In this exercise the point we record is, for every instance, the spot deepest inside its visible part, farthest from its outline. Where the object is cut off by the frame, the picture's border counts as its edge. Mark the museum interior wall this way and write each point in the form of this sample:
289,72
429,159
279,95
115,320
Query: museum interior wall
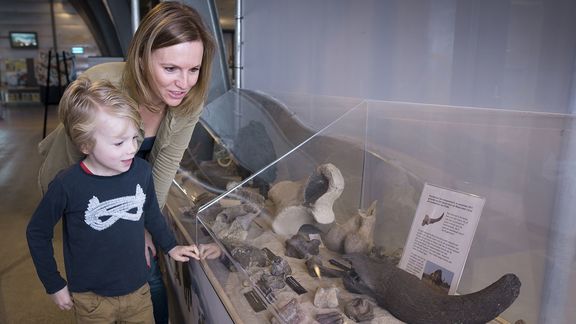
498,54
23,69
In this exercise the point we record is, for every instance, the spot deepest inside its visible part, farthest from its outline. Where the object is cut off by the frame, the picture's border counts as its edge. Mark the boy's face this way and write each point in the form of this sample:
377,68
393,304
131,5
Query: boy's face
115,145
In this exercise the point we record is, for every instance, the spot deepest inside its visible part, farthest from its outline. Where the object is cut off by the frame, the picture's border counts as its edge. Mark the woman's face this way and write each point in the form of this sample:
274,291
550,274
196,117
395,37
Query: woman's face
175,70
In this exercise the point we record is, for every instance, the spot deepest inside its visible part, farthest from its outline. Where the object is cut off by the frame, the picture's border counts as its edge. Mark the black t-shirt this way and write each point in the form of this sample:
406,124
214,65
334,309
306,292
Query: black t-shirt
146,147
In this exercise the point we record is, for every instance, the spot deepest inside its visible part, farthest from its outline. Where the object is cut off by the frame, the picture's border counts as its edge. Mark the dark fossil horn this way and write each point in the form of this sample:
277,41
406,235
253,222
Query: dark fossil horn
413,301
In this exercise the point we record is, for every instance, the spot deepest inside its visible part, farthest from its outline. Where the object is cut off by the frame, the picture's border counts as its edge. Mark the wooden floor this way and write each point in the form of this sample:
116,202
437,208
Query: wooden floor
22,296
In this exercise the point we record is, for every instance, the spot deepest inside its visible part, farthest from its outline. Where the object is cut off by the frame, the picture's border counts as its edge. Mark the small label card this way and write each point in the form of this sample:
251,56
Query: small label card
441,236
255,301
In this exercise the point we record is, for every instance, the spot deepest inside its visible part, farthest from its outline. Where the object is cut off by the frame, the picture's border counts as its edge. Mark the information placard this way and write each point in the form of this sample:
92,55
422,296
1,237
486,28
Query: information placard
441,236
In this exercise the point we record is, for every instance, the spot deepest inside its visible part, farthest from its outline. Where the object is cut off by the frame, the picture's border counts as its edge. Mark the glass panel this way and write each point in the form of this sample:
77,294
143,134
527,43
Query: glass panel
379,155
518,161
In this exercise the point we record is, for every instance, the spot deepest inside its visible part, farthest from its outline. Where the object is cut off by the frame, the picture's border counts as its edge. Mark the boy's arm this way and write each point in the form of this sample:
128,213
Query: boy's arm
63,299
39,234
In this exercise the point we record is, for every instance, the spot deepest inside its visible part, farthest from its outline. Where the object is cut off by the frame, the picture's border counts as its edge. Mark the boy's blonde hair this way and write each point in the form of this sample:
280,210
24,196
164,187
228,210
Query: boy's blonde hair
83,99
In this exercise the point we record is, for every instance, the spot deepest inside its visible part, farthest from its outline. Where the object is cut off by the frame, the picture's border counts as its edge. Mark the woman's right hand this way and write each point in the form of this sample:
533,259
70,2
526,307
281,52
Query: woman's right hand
62,298
149,248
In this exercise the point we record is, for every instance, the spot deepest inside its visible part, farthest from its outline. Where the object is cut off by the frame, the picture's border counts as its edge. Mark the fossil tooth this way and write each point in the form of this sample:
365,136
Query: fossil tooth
413,301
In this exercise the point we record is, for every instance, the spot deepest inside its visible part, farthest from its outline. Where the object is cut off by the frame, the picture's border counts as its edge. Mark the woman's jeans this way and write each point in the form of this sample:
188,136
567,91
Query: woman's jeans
158,292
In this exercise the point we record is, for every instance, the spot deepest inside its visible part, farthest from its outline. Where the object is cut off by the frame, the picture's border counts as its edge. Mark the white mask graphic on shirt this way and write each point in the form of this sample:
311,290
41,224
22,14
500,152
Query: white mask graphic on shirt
114,209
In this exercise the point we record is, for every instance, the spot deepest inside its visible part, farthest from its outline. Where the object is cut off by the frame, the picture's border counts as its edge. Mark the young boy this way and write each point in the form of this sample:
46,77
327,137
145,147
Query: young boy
105,202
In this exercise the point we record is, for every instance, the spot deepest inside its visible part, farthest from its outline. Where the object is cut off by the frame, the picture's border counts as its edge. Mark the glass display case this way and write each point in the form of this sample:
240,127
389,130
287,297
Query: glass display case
311,199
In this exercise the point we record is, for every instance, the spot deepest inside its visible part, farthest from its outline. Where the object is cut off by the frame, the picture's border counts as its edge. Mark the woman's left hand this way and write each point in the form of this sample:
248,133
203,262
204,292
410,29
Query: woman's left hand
209,251
150,249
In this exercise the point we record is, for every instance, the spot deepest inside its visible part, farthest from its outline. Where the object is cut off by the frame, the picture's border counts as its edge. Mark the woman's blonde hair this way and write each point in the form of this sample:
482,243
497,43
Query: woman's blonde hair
83,99
168,23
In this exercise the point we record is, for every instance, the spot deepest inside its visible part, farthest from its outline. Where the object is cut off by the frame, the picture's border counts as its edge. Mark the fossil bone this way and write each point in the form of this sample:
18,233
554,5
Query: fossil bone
290,219
356,235
413,301
300,247
321,197
233,222
306,201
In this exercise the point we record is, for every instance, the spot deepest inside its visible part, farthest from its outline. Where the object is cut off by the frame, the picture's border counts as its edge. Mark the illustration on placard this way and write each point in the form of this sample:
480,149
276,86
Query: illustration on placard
437,276
429,220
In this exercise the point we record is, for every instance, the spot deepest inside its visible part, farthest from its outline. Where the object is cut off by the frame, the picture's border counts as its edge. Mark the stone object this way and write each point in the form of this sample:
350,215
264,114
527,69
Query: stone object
280,267
359,309
301,247
411,300
315,268
233,222
286,193
326,297
290,313
356,235
248,256
316,186
330,318
271,281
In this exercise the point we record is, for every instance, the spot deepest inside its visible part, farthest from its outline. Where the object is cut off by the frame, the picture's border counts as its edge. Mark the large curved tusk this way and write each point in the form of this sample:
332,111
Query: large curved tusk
413,301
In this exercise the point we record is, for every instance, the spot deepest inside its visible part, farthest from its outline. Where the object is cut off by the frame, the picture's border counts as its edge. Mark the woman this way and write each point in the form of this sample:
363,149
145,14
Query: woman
167,73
